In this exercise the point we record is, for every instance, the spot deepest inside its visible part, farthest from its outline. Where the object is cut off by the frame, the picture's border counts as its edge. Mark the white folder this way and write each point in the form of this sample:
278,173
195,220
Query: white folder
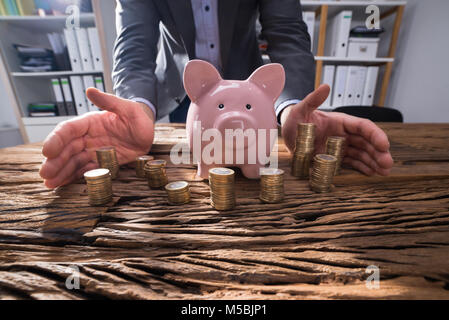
339,86
88,82
72,48
57,90
339,29
351,86
370,86
328,78
79,95
83,44
99,84
68,97
95,48
309,19
360,85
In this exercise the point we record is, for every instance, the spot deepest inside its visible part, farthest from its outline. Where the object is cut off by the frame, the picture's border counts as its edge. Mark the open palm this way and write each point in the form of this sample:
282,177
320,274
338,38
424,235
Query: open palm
70,148
367,148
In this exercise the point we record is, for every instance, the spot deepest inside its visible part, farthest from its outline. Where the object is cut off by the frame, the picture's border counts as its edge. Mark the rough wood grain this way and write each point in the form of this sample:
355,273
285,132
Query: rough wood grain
308,247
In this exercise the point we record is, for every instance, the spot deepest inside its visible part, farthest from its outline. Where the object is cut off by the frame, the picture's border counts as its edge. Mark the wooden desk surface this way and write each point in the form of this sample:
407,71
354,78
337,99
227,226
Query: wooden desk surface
310,246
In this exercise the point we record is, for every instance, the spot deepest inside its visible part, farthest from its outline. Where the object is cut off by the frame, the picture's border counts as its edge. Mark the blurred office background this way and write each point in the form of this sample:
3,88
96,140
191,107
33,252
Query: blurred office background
418,86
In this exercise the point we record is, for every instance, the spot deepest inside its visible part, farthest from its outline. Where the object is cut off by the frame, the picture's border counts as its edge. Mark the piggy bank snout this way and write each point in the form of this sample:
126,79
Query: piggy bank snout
234,121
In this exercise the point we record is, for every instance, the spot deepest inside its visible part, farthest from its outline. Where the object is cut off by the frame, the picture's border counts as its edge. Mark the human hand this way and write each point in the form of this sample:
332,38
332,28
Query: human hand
70,148
367,146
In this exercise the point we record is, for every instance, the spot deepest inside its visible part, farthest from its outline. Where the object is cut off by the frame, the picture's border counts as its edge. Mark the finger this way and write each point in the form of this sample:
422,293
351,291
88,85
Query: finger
63,134
368,130
359,165
108,102
51,167
363,156
312,101
316,98
80,173
69,172
383,159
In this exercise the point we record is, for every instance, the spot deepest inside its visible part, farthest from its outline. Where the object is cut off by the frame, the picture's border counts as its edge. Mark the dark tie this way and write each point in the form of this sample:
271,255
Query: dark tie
179,115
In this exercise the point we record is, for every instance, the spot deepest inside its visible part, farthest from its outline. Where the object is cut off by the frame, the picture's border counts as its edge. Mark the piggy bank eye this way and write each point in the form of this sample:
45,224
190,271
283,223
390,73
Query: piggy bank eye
221,106
248,106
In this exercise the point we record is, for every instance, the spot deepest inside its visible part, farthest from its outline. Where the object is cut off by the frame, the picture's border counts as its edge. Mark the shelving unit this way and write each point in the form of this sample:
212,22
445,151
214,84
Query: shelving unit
325,10
53,74
28,87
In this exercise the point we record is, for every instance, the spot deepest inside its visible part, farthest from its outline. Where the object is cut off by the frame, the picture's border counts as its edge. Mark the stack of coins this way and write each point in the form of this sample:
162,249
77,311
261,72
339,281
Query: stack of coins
305,140
323,173
107,158
99,186
141,161
335,147
155,173
271,185
222,189
178,192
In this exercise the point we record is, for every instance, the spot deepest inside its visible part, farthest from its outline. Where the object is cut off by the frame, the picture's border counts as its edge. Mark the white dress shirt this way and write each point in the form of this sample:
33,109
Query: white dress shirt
207,42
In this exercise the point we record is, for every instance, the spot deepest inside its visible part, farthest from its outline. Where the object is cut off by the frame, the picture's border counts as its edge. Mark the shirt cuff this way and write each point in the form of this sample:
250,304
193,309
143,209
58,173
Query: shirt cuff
148,103
284,105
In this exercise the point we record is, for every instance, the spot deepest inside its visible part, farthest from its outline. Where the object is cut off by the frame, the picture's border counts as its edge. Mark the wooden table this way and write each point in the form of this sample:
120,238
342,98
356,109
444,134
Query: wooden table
310,246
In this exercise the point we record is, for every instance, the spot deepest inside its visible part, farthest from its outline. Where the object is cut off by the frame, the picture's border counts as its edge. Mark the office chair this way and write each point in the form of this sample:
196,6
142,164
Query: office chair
375,114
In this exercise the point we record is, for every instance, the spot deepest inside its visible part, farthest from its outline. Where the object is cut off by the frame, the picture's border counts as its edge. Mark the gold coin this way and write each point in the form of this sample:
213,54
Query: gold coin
304,148
140,165
99,186
322,173
222,189
107,158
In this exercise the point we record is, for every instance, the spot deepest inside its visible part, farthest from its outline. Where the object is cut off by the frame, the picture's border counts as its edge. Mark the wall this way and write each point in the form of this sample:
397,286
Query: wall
419,85
9,132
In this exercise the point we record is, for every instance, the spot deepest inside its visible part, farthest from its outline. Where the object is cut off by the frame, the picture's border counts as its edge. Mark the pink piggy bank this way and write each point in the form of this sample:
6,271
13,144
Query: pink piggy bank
232,123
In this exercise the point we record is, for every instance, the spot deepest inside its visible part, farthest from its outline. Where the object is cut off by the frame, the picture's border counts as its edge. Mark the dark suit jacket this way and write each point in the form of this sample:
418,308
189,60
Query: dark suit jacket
147,68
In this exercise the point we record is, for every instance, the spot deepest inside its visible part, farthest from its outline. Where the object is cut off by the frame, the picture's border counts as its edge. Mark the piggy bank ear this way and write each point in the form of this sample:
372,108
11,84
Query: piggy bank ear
199,77
270,78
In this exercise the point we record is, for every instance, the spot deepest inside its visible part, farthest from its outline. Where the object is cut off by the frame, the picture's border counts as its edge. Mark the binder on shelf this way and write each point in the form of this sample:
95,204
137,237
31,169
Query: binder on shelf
360,85
328,78
89,83
72,47
339,29
2,9
309,19
99,84
339,86
26,7
11,7
79,95
68,97
355,83
351,86
370,86
59,50
83,45
94,44
57,91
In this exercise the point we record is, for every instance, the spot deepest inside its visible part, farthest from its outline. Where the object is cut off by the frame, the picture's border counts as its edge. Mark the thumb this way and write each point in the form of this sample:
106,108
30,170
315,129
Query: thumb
108,102
313,100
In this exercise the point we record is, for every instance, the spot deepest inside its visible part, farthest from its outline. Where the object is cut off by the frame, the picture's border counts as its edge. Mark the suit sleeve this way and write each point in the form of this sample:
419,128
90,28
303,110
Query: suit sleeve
135,50
289,45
